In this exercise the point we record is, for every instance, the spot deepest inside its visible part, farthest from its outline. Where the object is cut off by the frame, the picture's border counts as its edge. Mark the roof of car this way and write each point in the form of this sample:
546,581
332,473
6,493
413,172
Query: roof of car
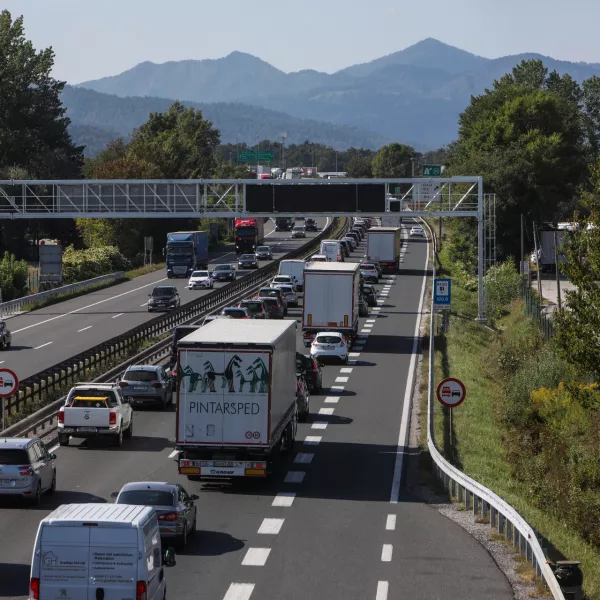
95,386
336,333
144,368
149,485
16,443
165,287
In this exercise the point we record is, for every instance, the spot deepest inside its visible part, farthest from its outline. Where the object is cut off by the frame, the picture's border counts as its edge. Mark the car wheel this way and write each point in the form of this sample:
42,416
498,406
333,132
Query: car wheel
63,440
184,536
129,431
119,438
53,484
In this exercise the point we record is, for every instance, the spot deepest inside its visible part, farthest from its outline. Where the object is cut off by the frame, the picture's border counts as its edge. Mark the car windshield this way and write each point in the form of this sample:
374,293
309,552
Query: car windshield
161,292
328,339
247,257
179,251
234,312
147,498
13,456
139,375
286,289
298,228
92,395
246,231
282,278
200,274
263,249
223,268
274,293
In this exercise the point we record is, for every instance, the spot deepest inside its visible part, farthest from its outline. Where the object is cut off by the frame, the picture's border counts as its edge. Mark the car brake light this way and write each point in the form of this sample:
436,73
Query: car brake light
156,384
25,470
141,590
61,416
34,588
112,418
314,342
123,384
342,343
172,516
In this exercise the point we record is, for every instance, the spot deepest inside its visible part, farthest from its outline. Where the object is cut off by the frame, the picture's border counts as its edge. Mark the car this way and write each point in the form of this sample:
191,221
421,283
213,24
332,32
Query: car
354,236
288,293
147,384
350,241
5,336
298,231
456,393
359,232
377,266
329,345
345,247
223,273
164,297
27,467
319,258
313,375
236,312
446,391
310,224
363,308
417,231
210,318
369,273
284,280
256,308
298,218
274,307
264,253
200,280
269,292
175,509
302,398
369,294
247,261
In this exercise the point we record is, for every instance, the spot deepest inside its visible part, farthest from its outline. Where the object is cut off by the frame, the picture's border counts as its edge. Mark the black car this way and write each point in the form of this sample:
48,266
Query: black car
302,398
369,294
311,369
223,273
345,247
274,308
247,261
354,235
164,297
310,224
363,309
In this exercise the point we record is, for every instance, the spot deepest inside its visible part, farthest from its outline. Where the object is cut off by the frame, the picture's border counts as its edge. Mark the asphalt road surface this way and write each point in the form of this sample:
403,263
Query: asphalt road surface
334,523
45,337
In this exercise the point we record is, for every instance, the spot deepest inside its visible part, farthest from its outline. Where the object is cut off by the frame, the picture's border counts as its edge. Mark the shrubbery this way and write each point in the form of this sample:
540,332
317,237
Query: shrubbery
13,277
79,265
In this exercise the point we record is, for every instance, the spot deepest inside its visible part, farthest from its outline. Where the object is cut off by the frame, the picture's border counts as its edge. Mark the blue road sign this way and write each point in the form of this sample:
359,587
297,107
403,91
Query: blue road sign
442,293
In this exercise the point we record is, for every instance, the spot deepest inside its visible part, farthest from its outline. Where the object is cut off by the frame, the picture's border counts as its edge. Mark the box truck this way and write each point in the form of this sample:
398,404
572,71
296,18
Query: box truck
236,408
108,551
383,246
331,294
186,251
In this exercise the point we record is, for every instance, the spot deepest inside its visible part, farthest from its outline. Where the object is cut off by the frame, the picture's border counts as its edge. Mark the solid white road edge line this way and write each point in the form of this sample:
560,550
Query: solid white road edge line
403,435
382,591
241,591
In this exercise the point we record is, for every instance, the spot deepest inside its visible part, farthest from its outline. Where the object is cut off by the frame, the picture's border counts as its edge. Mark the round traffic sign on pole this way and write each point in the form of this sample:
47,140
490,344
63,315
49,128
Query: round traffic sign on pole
451,392
9,383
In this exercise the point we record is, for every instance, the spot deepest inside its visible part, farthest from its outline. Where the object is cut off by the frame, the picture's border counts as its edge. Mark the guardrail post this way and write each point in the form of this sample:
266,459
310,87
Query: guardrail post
467,499
484,509
516,538
501,523
493,517
475,504
460,492
509,530
453,487
522,545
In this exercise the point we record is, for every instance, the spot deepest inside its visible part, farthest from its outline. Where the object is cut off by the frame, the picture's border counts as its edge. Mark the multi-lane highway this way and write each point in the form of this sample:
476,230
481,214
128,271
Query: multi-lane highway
44,337
335,523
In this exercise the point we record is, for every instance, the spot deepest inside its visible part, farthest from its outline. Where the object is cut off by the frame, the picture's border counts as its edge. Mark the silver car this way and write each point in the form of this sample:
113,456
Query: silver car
27,469
288,293
175,508
5,336
147,384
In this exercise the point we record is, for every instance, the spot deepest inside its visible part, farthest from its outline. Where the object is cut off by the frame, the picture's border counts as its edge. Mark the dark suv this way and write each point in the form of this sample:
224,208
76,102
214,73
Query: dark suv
164,297
311,370
310,224
223,273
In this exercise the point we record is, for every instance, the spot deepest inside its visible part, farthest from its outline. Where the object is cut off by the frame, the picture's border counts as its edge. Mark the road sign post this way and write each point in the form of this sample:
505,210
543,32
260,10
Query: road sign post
9,384
442,293
432,170
451,392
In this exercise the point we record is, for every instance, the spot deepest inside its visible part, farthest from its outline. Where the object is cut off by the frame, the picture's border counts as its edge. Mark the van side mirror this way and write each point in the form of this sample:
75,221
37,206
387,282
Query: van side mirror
195,497
169,557
114,494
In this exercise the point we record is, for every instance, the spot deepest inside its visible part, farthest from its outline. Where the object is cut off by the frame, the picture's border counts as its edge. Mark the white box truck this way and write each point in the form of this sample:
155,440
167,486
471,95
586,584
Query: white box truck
383,246
236,408
331,294
109,551
295,269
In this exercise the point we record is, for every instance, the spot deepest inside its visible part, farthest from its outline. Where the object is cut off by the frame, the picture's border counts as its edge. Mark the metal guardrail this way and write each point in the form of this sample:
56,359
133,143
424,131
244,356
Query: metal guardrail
503,517
68,372
13,306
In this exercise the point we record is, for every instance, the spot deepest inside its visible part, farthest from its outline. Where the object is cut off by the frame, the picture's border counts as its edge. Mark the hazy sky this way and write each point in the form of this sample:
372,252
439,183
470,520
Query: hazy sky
105,37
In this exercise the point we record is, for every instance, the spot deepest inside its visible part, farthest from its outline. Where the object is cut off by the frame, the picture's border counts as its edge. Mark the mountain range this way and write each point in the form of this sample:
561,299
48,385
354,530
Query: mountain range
413,96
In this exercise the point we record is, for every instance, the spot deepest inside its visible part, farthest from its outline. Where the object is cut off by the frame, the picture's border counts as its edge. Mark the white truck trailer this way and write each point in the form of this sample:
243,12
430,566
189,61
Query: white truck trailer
236,408
331,294
383,246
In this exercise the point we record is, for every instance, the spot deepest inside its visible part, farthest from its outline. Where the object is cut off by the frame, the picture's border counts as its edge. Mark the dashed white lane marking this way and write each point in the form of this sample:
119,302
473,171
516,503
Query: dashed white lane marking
319,425
386,552
84,329
173,454
355,354
284,499
2,362
271,526
366,331
44,345
312,440
332,399
371,320
346,370
256,557
241,591
376,308
119,315
303,458
390,523
336,389
326,411
341,379
382,590
294,477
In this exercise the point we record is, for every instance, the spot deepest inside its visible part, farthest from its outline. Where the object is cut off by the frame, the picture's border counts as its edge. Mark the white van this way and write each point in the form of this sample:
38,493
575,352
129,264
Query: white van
89,551
295,269
332,249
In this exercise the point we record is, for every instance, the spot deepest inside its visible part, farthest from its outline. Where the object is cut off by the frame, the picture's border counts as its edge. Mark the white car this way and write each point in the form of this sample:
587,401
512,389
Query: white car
200,280
329,345
283,280
417,231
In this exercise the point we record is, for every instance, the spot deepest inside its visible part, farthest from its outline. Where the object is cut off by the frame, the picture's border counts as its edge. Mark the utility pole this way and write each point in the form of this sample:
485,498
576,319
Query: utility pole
557,271
283,138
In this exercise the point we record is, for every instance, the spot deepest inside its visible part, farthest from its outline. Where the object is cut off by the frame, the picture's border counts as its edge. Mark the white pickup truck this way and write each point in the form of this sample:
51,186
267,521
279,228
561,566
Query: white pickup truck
95,410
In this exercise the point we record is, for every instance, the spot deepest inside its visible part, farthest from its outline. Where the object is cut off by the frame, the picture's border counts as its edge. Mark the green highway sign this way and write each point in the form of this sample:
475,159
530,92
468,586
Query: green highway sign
246,156
432,170
396,191
266,156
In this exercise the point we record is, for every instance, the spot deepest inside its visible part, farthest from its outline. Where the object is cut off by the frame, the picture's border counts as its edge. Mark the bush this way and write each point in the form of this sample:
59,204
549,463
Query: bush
13,277
79,265
503,287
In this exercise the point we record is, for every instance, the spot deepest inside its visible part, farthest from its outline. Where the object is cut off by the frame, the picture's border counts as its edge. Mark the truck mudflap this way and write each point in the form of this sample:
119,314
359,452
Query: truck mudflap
222,468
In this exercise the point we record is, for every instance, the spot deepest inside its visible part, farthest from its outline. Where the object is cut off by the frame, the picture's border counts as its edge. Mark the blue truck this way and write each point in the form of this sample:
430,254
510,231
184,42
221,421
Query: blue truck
186,251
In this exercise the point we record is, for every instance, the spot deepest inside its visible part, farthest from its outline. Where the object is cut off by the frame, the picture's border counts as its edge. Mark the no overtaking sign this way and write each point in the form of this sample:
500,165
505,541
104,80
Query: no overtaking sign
9,383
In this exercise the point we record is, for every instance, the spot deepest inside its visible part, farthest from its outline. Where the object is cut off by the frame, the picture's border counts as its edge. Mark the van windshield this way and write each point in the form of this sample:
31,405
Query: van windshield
147,498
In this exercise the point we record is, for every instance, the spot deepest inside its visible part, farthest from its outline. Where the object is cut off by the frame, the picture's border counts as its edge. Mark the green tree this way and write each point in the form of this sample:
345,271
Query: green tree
13,277
359,167
394,161
591,103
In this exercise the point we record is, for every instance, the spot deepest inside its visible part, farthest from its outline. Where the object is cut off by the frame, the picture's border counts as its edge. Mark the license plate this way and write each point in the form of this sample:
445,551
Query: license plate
329,347
86,429
6,482
138,388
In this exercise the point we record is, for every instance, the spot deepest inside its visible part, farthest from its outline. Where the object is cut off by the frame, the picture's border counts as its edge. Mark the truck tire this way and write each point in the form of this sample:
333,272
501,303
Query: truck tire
63,440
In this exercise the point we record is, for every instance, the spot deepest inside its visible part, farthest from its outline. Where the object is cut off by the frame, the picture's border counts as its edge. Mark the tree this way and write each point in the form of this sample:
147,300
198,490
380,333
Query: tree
394,161
591,103
359,167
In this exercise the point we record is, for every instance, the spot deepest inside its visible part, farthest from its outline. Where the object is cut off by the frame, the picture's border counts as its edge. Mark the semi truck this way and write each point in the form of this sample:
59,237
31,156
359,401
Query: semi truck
383,246
186,251
331,295
283,223
236,408
249,234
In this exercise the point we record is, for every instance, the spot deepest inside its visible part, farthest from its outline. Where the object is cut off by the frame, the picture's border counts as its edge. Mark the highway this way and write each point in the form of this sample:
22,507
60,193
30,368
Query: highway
47,336
335,523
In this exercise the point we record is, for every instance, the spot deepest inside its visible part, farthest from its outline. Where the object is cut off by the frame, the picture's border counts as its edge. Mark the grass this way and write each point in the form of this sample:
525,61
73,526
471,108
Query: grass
144,270
468,353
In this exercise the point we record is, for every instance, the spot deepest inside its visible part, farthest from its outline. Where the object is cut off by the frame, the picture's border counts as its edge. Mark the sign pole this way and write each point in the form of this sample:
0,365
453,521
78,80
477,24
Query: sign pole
3,417
451,428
